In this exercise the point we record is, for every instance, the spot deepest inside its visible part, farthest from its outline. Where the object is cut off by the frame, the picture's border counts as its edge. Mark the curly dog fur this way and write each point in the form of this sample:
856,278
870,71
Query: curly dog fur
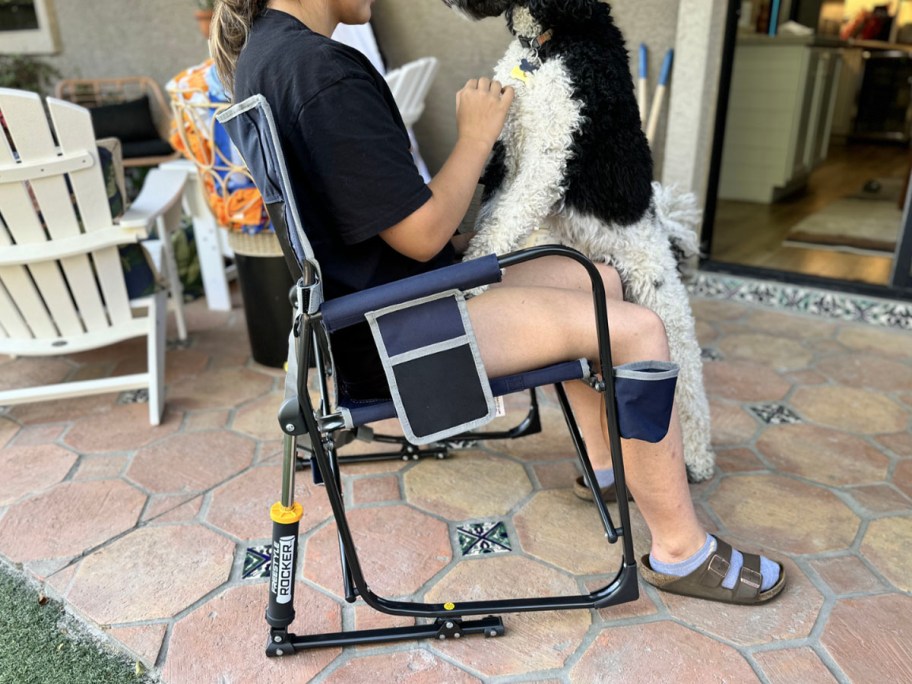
573,165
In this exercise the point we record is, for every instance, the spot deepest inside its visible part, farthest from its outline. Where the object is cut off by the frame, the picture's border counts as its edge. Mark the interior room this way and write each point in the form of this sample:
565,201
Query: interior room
815,159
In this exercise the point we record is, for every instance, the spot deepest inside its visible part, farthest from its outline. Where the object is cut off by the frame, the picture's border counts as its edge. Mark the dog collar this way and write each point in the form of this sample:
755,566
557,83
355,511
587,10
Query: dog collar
538,41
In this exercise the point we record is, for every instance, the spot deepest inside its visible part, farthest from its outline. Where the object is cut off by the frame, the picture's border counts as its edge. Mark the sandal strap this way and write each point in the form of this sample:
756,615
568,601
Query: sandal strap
717,565
750,579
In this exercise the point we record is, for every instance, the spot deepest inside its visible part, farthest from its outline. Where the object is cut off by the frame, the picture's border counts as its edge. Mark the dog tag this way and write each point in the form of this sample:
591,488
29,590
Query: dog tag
519,74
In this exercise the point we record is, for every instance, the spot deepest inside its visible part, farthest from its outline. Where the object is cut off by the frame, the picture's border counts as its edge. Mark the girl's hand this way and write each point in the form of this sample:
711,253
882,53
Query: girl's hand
481,110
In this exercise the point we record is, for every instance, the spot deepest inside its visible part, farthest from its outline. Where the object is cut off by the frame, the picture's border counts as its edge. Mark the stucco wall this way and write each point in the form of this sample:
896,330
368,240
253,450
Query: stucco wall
408,29
107,38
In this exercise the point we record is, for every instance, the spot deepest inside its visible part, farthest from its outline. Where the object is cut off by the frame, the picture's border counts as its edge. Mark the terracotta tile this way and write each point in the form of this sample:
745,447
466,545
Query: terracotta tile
134,347
731,424
152,573
557,475
366,617
864,370
738,460
172,508
60,581
899,443
259,418
241,506
706,333
790,325
562,529
902,477
846,575
191,462
223,388
871,339
466,486
850,409
205,420
34,434
824,455
552,443
421,668
827,347
779,353
229,631
144,642
717,310
671,648
886,544
533,641
399,548
791,665
123,428
871,638
742,381
200,317
64,410
641,607
26,470
805,377
30,371
100,467
375,489
881,499
781,513
69,519
791,616
8,429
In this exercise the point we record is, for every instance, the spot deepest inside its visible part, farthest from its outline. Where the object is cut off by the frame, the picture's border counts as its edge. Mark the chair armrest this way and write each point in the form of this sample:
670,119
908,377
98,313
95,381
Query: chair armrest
162,189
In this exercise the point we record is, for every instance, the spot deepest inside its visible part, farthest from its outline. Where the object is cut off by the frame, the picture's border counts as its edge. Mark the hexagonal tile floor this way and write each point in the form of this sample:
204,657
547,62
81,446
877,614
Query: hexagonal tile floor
160,537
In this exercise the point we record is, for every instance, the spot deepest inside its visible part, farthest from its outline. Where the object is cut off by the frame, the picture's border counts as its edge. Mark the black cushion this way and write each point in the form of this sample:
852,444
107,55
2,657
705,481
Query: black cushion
129,121
146,148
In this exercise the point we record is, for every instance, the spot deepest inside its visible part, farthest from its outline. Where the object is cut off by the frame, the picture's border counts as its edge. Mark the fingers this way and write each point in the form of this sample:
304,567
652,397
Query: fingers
507,95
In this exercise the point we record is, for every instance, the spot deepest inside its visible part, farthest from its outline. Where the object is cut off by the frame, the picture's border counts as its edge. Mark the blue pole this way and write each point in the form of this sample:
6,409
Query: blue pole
774,17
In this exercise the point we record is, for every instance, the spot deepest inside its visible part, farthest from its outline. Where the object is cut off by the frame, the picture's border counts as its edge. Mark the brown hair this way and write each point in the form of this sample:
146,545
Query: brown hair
231,22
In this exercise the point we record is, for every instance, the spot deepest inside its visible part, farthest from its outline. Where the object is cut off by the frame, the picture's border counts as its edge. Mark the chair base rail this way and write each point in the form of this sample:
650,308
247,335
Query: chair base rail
281,643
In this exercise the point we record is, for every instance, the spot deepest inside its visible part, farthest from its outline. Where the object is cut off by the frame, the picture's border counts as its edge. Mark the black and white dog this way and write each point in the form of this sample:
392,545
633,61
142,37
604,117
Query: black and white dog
573,166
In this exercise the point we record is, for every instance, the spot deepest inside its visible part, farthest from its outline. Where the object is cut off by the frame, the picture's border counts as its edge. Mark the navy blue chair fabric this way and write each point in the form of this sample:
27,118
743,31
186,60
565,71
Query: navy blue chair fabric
645,396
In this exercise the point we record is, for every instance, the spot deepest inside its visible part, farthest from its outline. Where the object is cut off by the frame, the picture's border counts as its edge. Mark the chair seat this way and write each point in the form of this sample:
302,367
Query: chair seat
360,413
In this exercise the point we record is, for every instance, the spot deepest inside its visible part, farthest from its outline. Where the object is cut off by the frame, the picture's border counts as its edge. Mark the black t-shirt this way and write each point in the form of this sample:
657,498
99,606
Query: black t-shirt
348,159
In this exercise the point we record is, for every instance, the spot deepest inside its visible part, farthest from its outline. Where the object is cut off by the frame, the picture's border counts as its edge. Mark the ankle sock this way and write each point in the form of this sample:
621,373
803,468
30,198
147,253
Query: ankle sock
769,569
605,478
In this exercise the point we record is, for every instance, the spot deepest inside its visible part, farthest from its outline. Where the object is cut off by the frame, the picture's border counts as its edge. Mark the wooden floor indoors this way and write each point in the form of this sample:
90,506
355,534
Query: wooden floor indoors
752,234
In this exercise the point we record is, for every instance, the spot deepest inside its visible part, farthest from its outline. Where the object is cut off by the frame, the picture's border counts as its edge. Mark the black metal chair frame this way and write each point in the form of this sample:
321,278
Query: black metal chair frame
325,429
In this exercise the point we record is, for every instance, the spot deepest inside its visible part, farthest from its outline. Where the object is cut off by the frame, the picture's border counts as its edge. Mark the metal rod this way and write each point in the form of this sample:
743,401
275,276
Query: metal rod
288,470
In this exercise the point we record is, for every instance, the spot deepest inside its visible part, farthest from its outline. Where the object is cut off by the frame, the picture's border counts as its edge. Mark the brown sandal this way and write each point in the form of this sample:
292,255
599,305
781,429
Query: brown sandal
706,581
609,494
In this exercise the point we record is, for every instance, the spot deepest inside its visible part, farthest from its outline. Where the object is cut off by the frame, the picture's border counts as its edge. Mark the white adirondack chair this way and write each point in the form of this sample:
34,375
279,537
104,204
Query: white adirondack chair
410,84
62,286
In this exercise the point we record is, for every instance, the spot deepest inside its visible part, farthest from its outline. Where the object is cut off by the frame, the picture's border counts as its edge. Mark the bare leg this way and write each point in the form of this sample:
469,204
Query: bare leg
520,327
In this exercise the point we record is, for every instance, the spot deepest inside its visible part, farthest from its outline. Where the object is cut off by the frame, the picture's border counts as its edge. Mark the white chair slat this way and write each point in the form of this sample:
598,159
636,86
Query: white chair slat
110,277
24,227
11,322
31,135
28,301
75,135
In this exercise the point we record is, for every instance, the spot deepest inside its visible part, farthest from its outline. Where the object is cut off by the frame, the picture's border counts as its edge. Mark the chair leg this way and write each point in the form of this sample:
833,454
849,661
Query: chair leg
158,310
175,287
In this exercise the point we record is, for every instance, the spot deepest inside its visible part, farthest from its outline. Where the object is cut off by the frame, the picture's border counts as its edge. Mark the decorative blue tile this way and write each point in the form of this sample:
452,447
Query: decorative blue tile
838,306
479,538
710,354
140,396
257,562
775,414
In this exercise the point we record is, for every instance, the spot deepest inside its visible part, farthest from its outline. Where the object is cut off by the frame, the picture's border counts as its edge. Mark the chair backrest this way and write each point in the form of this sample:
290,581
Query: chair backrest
410,84
252,129
61,279
94,92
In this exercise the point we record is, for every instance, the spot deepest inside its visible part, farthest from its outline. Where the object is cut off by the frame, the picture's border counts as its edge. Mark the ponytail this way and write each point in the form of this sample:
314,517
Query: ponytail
231,22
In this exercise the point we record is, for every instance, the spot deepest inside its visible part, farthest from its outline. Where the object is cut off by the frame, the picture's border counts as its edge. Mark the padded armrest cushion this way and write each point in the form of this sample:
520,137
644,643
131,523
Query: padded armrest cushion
129,121
343,312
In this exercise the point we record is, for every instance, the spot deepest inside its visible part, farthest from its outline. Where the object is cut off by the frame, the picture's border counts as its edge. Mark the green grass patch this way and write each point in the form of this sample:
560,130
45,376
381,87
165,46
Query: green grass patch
41,643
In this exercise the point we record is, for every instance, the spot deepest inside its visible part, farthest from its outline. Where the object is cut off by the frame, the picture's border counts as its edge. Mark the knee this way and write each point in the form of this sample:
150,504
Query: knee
651,335
614,289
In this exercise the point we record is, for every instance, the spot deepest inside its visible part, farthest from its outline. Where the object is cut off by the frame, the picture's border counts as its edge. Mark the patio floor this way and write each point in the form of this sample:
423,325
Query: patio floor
151,535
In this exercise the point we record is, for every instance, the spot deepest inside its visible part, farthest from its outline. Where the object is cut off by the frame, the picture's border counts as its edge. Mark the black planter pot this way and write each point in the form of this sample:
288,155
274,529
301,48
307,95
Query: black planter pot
265,282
